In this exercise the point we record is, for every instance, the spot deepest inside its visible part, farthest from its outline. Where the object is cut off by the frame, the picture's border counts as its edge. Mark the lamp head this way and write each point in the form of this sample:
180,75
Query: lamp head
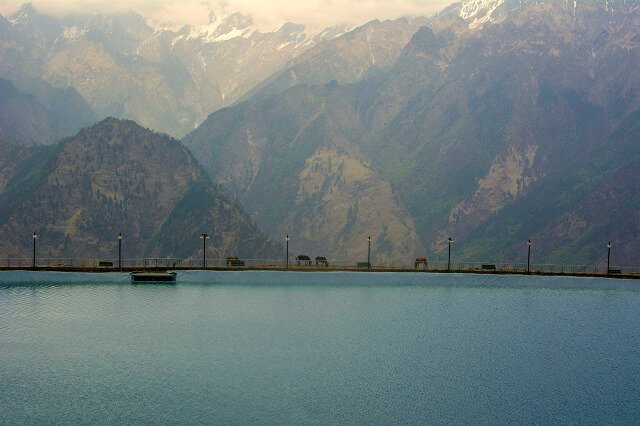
287,237
609,245
120,236
529,241
34,236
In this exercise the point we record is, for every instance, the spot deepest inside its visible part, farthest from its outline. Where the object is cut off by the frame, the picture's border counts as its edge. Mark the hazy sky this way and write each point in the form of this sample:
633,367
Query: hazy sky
266,13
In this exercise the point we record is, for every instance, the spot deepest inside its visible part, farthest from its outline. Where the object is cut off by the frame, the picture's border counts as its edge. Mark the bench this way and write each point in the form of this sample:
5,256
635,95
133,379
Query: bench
104,264
235,263
615,271
363,265
488,267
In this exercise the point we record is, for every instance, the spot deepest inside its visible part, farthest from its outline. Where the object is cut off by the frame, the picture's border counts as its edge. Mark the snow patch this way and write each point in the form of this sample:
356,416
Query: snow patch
176,40
203,60
481,11
72,32
222,27
20,18
211,34
473,8
234,33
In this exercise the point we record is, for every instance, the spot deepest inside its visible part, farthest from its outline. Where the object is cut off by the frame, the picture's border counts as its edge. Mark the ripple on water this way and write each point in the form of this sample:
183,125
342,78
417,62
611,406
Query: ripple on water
342,352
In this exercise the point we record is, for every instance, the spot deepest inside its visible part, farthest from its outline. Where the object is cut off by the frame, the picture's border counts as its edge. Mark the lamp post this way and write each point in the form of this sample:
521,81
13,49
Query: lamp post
449,259
204,249
120,251
34,249
287,240
369,253
608,256
529,255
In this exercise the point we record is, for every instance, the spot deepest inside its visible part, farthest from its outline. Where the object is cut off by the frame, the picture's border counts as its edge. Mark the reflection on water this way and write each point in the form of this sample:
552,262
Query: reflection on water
292,348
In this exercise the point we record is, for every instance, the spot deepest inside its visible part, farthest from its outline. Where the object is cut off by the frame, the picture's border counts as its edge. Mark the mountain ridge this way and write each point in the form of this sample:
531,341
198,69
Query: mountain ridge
470,128
154,76
115,177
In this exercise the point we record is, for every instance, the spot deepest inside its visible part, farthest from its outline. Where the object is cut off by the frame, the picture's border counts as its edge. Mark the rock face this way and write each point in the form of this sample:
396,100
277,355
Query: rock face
295,163
340,202
119,177
500,121
362,52
166,79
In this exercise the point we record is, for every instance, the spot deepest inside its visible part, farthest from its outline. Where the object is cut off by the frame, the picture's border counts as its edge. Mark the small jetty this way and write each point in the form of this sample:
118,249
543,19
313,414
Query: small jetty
151,277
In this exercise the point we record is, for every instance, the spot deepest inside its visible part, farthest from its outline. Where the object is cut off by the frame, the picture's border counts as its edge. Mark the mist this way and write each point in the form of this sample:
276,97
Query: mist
267,14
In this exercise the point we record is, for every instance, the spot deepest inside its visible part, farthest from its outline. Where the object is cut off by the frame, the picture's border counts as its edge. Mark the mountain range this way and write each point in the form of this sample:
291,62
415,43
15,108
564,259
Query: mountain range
166,79
499,123
491,122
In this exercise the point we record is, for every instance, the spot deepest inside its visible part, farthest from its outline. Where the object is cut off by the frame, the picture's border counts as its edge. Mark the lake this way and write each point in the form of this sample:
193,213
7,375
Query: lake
273,347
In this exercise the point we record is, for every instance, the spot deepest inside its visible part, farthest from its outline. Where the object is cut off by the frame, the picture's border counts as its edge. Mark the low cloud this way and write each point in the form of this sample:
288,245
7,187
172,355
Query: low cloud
266,13
324,13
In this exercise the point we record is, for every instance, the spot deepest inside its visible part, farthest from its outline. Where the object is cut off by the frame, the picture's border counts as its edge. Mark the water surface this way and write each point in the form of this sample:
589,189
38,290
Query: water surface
320,348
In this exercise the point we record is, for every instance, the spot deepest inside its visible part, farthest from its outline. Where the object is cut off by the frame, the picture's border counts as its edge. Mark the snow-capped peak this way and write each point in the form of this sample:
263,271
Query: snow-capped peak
479,11
223,27
22,15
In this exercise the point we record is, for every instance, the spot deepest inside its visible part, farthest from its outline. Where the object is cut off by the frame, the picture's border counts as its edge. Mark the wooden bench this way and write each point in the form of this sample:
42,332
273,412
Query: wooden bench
488,267
363,265
104,264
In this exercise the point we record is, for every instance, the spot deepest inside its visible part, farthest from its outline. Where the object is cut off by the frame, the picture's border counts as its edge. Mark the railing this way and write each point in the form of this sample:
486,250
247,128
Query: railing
335,264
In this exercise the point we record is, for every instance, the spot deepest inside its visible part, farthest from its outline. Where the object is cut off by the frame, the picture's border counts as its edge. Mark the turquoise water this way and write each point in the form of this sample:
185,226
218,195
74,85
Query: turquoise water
319,348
